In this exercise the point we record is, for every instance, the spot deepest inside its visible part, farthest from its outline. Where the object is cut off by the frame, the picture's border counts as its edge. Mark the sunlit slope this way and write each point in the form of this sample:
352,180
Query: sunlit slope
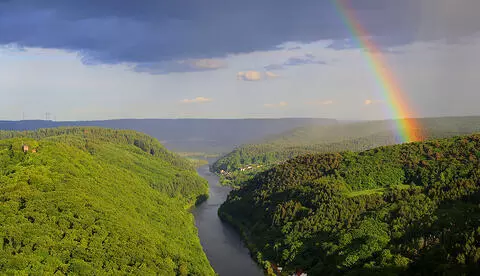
96,201
411,209
339,137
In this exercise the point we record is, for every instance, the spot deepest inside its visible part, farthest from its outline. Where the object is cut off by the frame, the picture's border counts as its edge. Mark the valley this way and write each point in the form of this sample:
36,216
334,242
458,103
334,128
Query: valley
339,198
239,138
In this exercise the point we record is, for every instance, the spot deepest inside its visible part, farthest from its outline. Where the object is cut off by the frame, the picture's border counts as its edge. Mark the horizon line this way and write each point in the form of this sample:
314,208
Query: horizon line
243,118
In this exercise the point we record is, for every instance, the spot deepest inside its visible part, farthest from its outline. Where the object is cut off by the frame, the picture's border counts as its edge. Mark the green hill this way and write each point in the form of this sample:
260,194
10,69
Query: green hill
331,138
90,201
411,209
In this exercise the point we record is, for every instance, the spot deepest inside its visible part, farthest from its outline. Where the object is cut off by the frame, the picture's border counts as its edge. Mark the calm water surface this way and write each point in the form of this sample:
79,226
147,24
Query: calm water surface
221,243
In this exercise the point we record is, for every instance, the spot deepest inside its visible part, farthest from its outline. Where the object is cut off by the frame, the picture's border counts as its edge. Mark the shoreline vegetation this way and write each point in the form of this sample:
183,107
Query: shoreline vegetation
402,209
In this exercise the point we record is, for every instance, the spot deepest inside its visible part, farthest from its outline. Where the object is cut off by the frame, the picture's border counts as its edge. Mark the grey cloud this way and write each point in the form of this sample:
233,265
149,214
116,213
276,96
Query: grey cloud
274,67
294,48
307,59
154,34
295,61
255,75
180,66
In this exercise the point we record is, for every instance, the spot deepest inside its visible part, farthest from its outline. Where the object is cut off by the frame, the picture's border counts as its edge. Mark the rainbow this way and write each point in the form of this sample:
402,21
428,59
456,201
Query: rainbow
407,127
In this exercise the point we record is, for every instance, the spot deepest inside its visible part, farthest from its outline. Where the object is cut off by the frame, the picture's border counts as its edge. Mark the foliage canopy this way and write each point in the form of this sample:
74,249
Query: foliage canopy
93,200
409,209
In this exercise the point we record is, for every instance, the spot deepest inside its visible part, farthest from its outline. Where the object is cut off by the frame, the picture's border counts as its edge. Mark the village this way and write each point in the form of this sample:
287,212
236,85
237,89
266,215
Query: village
246,168
278,271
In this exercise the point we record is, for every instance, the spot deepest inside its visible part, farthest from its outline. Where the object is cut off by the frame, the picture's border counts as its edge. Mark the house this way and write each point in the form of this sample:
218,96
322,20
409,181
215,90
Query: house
25,148
34,150
300,273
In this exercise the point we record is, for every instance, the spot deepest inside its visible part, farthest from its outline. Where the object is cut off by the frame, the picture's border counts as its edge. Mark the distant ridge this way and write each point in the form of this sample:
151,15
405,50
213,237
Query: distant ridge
339,137
201,135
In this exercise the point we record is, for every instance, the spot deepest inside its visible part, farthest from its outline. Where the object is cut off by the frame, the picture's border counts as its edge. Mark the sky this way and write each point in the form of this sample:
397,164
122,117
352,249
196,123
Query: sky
108,59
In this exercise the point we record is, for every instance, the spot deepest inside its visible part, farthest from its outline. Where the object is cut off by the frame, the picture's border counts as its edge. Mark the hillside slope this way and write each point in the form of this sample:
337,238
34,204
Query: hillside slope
91,201
334,138
410,209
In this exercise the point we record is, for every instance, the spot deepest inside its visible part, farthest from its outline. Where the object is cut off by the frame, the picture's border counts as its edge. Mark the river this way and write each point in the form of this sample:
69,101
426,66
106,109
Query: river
221,243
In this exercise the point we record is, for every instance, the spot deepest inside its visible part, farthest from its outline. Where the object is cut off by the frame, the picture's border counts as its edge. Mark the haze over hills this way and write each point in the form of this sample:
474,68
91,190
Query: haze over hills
339,137
189,135
436,126
89,201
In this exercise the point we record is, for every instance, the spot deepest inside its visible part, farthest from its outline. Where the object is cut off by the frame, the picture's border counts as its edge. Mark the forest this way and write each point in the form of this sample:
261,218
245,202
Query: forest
90,201
409,209
331,138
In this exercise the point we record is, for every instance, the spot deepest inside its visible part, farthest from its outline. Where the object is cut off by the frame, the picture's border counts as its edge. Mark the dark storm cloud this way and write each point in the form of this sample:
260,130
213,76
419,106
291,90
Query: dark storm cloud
151,31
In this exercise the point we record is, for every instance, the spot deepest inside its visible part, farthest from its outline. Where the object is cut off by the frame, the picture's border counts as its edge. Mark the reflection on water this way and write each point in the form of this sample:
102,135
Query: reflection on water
221,243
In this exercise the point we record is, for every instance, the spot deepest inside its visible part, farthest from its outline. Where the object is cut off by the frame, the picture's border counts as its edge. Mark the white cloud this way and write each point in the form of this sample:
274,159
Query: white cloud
249,76
271,74
255,75
321,102
275,105
370,102
197,100
205,63
435,79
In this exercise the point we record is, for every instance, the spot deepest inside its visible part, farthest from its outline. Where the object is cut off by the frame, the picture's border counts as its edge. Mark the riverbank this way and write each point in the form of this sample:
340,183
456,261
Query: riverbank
221,242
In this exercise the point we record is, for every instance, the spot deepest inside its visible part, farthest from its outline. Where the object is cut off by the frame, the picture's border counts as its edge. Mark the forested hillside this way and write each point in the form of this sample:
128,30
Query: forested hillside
411,209
91,201
332,138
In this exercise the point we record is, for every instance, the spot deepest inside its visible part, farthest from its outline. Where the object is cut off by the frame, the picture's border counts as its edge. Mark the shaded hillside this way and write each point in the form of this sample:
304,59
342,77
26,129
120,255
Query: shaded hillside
339,137
90,201
189,135
408,209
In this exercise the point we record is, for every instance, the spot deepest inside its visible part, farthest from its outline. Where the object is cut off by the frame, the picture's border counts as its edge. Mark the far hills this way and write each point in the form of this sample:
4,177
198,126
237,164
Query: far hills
93,201
356,136
188,135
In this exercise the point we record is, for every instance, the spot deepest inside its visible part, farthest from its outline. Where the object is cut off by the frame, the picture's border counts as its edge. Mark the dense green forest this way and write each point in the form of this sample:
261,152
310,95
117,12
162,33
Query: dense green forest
411,209
92,201
330,138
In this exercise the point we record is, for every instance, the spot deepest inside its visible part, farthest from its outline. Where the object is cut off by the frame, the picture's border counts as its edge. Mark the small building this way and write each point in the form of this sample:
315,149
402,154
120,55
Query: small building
300,273
25,148
34,150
